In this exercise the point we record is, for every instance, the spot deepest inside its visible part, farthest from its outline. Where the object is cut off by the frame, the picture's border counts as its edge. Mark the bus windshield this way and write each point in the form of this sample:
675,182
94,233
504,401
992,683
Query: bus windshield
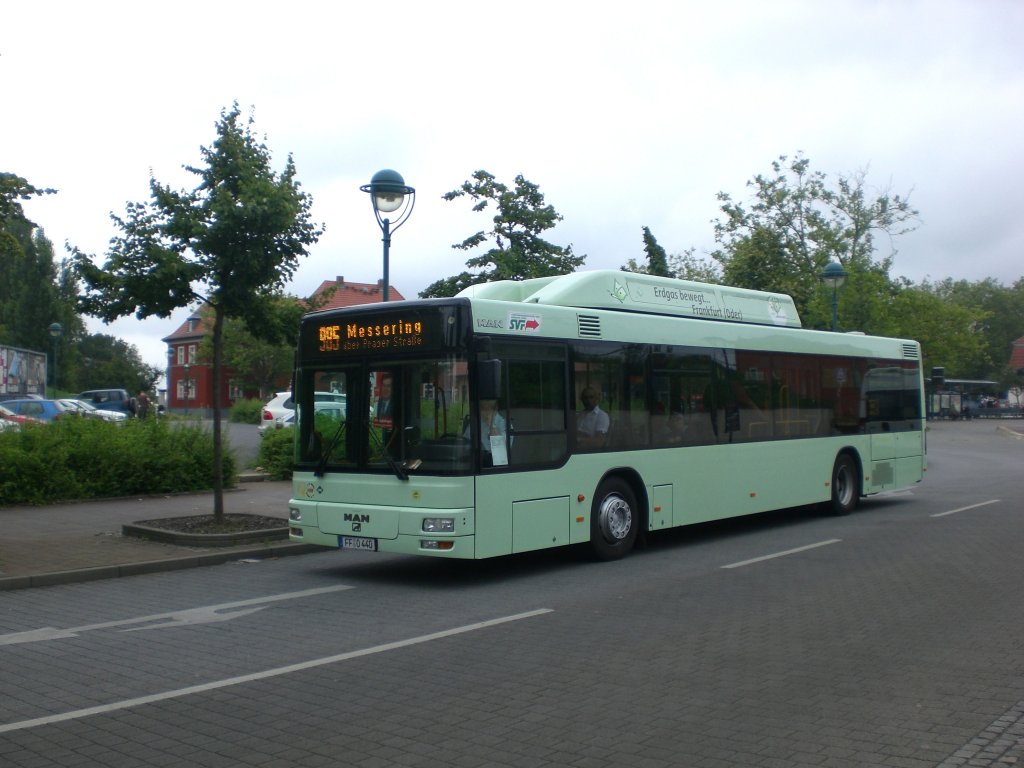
399,417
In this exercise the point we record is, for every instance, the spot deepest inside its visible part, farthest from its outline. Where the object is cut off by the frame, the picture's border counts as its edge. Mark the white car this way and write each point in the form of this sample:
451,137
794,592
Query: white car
330,403
280,405
334,410
84,408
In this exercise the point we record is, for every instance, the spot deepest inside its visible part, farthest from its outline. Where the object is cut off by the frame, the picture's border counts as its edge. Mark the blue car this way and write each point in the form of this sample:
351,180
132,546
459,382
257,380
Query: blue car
44,410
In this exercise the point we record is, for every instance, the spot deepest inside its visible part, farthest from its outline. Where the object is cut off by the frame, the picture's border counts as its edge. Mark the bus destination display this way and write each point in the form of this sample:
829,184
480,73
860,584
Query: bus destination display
374,333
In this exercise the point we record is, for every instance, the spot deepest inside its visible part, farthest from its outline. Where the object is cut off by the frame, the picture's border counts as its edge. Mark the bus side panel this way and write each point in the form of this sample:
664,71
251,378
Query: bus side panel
540,523
722,481
519,512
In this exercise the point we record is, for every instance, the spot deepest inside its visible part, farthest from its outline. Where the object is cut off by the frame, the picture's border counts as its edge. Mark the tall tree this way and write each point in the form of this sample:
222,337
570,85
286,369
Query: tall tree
657,259
1002,322
231,243
688,266
797,222
29,297
113,362
949,333
518,252
258,361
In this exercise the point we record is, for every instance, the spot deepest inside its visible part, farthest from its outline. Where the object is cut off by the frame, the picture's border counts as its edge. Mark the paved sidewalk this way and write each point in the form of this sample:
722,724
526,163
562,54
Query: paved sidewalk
82,541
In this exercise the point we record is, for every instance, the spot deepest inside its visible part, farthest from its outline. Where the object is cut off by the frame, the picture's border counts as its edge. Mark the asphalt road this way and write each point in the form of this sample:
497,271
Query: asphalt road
891,637
244,440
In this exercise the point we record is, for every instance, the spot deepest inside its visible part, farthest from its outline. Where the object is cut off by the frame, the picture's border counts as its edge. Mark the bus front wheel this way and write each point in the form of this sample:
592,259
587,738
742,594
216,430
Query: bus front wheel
614,519
845,482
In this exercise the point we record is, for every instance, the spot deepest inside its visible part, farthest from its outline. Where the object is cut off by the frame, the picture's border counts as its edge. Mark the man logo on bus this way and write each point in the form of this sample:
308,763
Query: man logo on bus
527,323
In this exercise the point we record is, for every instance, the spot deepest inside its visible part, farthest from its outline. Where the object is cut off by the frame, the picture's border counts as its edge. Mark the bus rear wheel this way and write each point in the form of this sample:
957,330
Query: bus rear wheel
845,485
614,519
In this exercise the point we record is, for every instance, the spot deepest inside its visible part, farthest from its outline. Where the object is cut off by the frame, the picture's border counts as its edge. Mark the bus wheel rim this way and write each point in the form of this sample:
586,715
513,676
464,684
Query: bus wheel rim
616,518
844,487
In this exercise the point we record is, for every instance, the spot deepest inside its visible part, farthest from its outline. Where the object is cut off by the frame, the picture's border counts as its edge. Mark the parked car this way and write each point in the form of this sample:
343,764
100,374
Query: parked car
280,405
11,420
332,409
40,410
14,396
87,409
288,420
281,408
110,400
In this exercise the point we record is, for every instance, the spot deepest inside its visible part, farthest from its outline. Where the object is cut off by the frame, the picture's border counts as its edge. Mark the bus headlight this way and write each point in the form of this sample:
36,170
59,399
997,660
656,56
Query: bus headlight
439,525
294,514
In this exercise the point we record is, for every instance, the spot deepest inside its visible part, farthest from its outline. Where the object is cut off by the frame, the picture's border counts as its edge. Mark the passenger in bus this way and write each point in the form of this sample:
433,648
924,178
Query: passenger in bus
383,417
492,425
591,423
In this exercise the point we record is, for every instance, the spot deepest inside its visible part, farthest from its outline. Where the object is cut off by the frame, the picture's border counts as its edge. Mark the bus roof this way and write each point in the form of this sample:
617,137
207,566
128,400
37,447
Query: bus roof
633,292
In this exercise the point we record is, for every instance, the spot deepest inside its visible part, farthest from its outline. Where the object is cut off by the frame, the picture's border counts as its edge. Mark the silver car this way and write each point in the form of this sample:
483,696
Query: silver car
84,408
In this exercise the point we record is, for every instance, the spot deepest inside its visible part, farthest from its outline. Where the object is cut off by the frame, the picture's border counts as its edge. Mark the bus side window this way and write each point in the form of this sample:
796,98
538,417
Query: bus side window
536,408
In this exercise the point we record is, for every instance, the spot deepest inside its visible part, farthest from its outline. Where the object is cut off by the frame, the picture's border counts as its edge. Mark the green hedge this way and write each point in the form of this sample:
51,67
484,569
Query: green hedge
246,411
88,458
277,453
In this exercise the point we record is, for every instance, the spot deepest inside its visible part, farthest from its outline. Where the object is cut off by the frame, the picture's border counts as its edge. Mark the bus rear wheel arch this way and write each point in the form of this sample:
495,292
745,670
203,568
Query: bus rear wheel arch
845,485
615,519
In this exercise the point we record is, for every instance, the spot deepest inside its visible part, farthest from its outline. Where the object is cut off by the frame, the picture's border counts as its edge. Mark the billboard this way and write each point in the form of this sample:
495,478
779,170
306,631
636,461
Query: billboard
22,372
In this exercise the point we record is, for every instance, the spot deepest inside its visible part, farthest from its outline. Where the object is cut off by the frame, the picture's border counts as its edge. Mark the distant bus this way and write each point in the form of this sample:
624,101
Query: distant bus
463,433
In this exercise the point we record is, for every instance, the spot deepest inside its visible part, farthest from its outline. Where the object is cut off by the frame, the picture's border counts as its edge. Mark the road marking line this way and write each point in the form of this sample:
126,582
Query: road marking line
964,509
782,554
202,615
267,673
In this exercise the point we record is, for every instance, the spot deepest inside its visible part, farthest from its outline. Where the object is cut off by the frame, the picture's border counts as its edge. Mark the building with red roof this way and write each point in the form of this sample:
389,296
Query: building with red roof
190,379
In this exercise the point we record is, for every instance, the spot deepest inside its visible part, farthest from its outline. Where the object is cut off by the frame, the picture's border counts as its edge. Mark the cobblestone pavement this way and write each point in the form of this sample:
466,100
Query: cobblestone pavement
62,543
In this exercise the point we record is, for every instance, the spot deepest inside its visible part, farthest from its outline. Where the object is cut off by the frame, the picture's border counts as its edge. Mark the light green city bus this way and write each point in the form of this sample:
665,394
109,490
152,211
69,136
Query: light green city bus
465,434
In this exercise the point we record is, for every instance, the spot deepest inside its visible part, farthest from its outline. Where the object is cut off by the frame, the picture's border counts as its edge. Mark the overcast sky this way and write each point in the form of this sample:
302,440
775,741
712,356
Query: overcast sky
625,114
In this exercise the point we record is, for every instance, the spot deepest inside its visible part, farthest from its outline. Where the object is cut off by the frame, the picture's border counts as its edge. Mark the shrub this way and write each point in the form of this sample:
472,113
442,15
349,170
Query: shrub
277,453
246,411
88,458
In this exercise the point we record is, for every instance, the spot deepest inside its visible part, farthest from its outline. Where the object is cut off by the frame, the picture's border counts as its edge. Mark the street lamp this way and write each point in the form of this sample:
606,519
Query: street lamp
169,384
55,331
389,193
834,275
188,389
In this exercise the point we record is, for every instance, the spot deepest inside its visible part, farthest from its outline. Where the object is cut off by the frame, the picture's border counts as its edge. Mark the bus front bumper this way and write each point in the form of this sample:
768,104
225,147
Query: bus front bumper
401,530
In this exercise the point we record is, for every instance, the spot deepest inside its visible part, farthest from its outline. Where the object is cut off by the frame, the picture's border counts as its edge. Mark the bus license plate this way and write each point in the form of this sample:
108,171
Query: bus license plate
357,542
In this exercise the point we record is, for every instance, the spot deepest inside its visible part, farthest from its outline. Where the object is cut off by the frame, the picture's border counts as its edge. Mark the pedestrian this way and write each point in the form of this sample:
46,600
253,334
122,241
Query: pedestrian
142,405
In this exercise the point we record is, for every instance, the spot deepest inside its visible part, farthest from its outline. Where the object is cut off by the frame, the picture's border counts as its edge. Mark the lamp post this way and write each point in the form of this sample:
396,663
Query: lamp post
55,331
188,389
389,193
834,275
169,384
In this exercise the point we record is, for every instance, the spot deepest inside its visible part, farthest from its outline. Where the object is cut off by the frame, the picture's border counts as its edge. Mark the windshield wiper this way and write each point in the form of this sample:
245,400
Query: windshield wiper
399,471
326,455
